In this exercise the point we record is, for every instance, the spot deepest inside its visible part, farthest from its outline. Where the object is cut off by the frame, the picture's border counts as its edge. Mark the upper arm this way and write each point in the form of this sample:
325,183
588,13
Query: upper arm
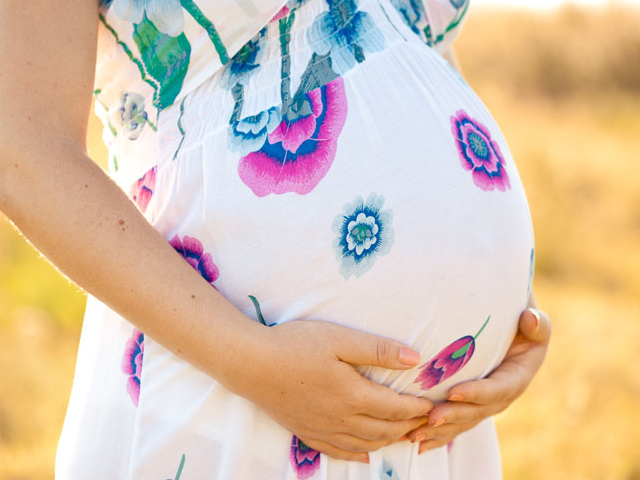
47,63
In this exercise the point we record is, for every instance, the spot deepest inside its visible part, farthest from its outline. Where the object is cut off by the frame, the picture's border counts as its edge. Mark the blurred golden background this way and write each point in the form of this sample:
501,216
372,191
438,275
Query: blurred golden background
564,85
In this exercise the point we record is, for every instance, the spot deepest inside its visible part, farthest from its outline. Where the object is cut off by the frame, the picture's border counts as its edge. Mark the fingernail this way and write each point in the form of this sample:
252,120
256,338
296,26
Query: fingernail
456,397
364,459
439,422
419,438
409,357
422,449
536,315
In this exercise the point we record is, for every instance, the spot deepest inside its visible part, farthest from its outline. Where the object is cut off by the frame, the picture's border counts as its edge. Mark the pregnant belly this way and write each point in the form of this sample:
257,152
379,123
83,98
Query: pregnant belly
395,209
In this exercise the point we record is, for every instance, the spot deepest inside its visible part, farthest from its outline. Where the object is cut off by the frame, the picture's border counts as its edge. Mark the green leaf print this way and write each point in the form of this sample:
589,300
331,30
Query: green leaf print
204,22
166,60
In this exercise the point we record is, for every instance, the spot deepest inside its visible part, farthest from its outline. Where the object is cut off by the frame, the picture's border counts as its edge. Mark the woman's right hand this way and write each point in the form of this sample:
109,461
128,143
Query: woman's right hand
314,391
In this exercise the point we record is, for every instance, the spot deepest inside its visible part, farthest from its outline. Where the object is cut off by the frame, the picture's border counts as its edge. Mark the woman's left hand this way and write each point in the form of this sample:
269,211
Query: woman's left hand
471,402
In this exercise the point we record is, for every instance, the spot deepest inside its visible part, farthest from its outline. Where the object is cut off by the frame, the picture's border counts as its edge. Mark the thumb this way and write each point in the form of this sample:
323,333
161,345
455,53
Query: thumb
535,325
358,348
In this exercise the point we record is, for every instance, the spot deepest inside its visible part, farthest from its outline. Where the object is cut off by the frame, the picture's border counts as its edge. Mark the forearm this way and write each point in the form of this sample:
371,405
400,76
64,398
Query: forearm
82,221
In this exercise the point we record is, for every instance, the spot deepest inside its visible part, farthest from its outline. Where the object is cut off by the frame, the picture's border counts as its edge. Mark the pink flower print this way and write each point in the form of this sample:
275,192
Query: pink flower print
304,460
449,361
298,153
142,189
479,153
132,363
193,252
283,12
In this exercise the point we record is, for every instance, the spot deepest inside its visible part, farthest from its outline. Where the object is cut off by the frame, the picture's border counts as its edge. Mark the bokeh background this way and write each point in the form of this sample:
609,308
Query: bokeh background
564,84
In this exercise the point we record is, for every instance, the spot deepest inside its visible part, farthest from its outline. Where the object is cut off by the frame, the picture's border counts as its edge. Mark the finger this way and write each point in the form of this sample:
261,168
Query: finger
381,402
455,415
535,325
502,387
351,443
335,452
435,433
442,435
359,348
378,430
463,412
431,445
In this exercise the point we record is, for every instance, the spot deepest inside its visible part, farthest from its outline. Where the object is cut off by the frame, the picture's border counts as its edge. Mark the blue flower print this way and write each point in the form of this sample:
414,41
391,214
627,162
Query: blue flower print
130,115
245,62
363,232
387,472
412,12
249,134
166,15
458,3
346,34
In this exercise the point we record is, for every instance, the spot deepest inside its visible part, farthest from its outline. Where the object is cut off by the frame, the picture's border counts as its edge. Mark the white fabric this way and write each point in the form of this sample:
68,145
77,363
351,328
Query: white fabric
452,247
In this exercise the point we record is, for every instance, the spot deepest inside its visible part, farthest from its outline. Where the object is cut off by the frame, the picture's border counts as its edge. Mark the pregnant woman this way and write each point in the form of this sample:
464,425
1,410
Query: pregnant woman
314,160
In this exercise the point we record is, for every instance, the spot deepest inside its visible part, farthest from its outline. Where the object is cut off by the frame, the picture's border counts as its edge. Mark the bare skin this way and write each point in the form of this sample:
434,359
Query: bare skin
83,223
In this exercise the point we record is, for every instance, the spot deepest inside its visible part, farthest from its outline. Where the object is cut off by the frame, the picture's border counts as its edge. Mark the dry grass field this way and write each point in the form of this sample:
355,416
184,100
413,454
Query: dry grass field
565,88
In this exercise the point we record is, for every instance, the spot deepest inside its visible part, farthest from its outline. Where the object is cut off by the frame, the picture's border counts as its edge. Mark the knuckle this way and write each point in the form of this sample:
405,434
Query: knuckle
383,351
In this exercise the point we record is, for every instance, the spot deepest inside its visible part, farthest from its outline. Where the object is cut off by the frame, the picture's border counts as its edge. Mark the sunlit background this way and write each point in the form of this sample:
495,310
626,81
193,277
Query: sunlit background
564,84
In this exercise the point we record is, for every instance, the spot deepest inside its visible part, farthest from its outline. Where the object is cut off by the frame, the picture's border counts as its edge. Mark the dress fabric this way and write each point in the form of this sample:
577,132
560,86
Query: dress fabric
320,160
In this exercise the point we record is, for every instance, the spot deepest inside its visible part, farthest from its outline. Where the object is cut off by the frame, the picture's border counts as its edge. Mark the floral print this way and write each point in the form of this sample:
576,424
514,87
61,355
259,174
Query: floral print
363,232
346,34
300,150
250,133
261,319
531,269
479,153
288,145
458,3
130,115
193,252
142,190
449,361
246,61
304,460
283,12
180,467
132,364
412,12
387,472
166,15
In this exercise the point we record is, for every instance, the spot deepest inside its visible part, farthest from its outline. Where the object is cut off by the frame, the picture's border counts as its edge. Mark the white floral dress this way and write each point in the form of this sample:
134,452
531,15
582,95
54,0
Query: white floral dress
317,159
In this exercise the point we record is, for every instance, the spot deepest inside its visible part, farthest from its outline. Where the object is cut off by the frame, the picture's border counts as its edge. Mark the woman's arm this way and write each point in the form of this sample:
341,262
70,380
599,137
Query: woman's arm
83,222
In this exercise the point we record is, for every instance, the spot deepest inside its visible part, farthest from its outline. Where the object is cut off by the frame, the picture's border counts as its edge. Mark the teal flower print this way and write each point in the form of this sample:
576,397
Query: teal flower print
166,15
346,34
363,232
